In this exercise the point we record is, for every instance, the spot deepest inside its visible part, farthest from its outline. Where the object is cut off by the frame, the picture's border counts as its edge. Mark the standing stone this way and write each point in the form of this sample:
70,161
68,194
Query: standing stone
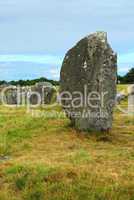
120,97
1,89
43,93
8,94
88,74
131,100
46,92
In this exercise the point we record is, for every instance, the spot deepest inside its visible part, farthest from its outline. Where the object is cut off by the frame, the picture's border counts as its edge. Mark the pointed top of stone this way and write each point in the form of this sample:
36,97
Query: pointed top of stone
101,35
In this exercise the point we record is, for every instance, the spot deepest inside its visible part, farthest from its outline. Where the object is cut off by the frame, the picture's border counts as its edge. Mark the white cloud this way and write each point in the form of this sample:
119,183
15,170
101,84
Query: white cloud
55,25
123,69
55,73
41,59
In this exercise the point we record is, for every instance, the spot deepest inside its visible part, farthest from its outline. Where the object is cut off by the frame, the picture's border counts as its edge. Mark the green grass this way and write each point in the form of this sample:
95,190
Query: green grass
46,159
122,88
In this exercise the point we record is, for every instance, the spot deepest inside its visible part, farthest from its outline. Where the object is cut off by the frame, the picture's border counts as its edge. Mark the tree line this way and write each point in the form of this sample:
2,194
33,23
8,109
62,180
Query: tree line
29,82
128,78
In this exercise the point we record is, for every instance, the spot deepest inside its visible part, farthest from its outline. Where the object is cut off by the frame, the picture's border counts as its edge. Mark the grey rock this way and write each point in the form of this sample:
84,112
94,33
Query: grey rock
27,95
120,97
4,158
8,94
91,64
131,89
45,90
131,100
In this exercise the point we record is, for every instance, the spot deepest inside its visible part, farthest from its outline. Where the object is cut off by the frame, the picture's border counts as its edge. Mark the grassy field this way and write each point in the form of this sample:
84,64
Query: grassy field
122,88
46,159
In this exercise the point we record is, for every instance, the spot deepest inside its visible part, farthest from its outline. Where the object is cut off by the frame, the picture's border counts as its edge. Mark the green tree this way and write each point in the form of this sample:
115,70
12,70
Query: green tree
129,77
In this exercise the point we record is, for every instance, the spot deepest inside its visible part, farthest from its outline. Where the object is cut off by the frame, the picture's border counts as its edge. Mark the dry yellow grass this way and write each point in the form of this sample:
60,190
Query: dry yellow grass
50,160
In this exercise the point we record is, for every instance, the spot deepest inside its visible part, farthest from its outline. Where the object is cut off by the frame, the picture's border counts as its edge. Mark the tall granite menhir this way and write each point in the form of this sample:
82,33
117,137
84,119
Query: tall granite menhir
88,83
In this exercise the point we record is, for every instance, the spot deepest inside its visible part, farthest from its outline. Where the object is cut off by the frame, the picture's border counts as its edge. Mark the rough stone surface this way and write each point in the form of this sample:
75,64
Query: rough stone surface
9,94
131,100
45,90
120,97
131,89
91,64
28,94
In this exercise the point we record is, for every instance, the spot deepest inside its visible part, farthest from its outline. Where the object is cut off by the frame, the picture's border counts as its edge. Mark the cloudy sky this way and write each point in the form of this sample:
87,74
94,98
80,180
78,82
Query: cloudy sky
35,34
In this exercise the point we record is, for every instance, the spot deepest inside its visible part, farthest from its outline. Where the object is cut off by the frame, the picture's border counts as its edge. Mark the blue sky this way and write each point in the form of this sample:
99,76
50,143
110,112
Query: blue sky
35,34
